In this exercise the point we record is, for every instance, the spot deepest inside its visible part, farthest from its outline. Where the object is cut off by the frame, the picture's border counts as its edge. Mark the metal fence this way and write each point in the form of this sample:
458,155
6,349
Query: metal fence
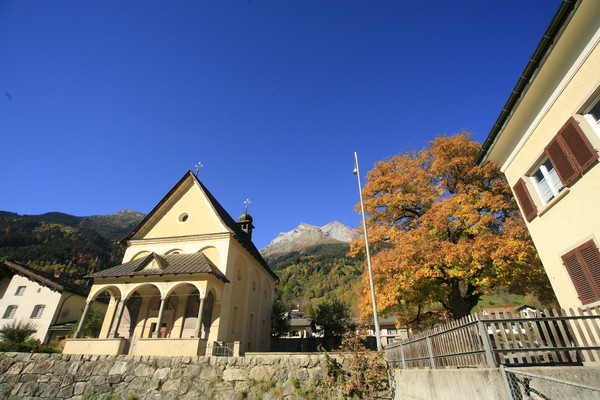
521,385
553,338
220,349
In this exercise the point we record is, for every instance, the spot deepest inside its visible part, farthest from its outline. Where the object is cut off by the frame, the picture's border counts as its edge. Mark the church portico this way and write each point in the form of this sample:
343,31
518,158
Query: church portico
155,310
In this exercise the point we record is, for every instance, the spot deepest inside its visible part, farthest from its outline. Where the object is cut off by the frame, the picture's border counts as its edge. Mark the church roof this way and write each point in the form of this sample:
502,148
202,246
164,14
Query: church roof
226,219
55,283
164,265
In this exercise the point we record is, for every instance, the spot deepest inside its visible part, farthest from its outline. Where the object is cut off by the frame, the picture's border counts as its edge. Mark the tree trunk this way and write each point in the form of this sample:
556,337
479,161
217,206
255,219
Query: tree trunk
461,299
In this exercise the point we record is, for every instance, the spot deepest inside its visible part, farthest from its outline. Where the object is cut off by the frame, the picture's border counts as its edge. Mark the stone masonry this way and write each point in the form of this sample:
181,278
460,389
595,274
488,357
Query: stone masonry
26,376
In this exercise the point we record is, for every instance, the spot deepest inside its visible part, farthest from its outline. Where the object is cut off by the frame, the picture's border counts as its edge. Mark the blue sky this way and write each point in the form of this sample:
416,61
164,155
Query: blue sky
104,105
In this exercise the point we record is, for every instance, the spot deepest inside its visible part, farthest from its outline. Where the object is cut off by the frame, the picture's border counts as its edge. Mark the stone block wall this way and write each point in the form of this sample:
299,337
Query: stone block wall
26,376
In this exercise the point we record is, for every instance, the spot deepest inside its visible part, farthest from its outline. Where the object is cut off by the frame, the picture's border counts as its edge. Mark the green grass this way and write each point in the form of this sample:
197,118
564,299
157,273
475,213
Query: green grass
499,300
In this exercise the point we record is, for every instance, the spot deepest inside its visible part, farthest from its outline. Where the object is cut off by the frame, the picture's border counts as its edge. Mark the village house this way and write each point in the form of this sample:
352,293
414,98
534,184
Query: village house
302,328
524,311
546,140
191,279
49,303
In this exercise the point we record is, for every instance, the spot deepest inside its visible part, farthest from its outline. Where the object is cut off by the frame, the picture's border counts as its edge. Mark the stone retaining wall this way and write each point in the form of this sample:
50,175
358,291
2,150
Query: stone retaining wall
61,376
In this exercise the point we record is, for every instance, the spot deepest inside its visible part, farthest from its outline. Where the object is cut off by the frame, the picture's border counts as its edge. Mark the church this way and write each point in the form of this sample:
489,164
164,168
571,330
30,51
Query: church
191,283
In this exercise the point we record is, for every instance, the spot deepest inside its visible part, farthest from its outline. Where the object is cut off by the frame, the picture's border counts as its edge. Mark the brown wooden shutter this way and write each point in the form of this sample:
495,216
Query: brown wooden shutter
578,147
583,265
567,172
525,201
591,256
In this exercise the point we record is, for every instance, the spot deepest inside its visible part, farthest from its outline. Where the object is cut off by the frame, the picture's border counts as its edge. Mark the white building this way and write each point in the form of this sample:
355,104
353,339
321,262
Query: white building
52,304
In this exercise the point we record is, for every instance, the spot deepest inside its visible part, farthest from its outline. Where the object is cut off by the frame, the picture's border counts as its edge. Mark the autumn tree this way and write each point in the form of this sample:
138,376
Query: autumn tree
444,231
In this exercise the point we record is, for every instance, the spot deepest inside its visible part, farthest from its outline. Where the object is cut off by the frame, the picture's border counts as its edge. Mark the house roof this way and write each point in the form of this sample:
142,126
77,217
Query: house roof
164,265
301,322
543,49
55,283
226,219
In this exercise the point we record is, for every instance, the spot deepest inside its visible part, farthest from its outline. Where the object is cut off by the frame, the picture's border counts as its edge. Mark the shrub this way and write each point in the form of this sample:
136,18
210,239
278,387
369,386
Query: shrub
17,331
28,347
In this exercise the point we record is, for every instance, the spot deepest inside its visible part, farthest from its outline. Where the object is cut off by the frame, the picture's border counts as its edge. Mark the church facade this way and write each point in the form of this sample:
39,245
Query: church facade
191,281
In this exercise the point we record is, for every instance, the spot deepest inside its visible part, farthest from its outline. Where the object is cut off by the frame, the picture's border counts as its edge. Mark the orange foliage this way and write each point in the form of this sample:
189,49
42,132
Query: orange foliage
444,231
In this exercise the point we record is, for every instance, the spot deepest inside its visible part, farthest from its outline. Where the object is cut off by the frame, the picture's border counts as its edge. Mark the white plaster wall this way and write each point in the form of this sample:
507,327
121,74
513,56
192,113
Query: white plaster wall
34,294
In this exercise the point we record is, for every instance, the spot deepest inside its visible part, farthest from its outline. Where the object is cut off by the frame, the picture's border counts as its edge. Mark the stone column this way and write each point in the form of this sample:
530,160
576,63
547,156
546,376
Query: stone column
200,311
156,333
237,349
117,321
82,320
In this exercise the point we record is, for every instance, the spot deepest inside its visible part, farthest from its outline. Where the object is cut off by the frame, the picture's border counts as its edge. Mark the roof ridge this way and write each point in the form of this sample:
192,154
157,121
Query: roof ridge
43,278
227,220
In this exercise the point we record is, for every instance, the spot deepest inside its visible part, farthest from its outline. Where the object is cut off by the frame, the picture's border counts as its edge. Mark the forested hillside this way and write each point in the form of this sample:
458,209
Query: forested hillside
115,226
51,247
318,274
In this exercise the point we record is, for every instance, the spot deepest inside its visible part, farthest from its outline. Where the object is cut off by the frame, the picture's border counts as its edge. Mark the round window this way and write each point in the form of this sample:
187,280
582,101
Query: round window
183,217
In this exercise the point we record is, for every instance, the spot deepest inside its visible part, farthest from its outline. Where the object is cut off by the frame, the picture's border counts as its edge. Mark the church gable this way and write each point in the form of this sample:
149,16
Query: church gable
152,262
186,210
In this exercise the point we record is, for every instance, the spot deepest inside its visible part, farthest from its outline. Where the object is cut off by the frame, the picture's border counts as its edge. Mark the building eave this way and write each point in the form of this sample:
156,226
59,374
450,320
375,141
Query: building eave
559,22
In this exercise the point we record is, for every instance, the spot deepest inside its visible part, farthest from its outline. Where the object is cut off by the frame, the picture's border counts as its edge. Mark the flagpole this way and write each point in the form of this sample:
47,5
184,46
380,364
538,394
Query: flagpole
370,269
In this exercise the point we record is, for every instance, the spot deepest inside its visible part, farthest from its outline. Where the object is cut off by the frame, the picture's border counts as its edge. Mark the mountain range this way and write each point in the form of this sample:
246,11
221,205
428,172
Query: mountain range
311,261
313,266
306,235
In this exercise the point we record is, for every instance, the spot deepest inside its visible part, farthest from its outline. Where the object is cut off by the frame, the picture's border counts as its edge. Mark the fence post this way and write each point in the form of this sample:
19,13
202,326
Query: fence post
402,354
486,344
507,382
430,349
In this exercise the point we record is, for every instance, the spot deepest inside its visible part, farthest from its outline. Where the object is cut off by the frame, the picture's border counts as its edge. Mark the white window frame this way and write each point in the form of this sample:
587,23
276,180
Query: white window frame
10,312
38,310
595,124
550,177
593,101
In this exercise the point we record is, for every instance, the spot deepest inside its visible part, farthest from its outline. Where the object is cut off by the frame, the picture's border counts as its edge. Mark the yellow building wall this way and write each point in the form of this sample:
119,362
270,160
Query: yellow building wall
244,303
171,221
573,217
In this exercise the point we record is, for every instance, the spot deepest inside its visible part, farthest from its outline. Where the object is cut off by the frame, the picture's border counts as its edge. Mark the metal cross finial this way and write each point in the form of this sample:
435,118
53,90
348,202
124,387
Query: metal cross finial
198,166
247,202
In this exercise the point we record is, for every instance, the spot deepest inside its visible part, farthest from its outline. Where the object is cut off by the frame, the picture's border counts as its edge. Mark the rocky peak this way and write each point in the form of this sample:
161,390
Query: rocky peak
308,235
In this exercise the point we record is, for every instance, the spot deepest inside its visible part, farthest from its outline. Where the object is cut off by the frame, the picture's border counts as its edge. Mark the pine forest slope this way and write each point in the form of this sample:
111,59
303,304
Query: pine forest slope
317,274
62,243
115,226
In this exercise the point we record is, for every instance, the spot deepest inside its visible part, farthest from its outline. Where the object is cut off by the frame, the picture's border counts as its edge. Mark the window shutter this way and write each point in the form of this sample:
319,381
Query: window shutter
583,265
525,201
567,172
578,147
591,257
